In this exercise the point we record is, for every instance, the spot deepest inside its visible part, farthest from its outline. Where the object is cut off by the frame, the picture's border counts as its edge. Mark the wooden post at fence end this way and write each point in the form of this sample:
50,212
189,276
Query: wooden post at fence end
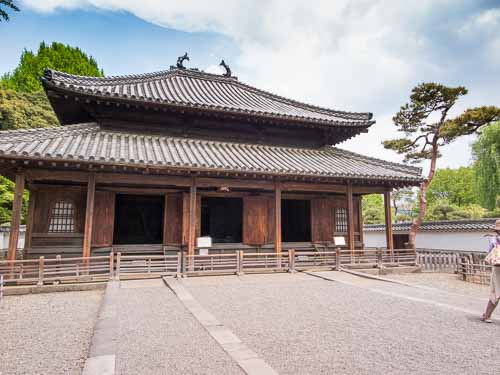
111,265
179,265
338,261
239,262
291,260
41,265
379,258
118,265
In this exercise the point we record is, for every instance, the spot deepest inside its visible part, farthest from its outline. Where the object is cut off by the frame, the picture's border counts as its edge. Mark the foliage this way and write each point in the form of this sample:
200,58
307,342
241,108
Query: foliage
20,110
425,123
486,153
26,77
6,198
373,209
7,4
401,203
456,186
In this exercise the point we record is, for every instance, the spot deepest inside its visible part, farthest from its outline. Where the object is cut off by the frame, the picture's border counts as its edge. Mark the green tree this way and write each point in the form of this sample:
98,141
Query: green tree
20,110
486,154
373,209
453,185
7,4
426,126
6,199
58,56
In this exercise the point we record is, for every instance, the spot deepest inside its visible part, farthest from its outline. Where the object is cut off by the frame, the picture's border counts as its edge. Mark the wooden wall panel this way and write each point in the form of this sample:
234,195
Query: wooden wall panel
174,217
46,200
255,220
322,220
104,219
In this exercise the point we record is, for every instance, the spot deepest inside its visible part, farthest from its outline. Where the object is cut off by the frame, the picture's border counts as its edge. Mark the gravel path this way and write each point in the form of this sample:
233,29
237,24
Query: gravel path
305,325
47,333
157,335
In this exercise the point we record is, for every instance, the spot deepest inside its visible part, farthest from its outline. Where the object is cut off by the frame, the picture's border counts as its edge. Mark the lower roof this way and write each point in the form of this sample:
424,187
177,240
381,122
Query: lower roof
92,143
466,225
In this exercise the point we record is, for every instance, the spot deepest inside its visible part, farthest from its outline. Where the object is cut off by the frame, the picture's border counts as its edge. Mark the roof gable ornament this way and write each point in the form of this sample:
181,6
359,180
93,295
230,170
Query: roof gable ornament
180,61
228,69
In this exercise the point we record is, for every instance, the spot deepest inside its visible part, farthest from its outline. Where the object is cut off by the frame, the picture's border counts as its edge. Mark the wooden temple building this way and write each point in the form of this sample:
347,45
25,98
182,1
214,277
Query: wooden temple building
148,163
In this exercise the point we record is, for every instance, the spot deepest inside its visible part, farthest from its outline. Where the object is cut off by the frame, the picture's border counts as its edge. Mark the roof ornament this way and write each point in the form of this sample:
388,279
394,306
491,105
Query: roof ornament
228,70
180,61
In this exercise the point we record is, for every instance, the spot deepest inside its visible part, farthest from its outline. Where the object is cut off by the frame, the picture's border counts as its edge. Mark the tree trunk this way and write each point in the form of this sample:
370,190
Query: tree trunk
417,222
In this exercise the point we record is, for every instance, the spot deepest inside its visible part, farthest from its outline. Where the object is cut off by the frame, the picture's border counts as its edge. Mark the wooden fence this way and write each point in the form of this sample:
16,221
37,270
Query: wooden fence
118,266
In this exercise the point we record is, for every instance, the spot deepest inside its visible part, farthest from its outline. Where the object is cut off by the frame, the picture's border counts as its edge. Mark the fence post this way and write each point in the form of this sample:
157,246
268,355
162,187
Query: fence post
1,287
291,260
239,262
184,260
179,264
41,265
118,265
379,258
58,266
111,265
338,262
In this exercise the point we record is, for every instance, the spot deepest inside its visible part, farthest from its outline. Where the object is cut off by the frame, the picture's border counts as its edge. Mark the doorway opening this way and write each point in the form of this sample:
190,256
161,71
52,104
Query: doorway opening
296,220
138,219
222,219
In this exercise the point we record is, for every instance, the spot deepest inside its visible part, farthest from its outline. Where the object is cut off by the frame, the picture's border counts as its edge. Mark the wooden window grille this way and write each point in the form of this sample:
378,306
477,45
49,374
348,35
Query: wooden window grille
62,219
341,220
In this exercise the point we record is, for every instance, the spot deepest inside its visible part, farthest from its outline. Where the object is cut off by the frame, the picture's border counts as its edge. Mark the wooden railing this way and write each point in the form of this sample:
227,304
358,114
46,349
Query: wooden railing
118,266
57,270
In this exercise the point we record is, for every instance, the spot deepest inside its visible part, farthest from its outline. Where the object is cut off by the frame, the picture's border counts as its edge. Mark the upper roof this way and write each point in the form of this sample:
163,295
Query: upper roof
466,225
194,89
92,143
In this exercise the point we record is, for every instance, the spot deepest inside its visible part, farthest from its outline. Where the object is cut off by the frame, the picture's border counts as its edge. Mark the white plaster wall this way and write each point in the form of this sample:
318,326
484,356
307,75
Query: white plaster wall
4,240
469,241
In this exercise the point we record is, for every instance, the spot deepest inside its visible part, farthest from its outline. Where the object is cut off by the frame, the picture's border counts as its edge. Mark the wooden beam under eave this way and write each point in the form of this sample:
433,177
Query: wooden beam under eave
277,218
17,206
192,217
388,221
165,224
350,218
89,216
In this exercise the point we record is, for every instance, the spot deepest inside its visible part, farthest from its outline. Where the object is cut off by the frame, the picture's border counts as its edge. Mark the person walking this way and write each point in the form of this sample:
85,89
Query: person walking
494,242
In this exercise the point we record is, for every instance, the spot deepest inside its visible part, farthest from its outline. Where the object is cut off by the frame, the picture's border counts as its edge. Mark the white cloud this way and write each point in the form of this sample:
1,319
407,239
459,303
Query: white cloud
361,55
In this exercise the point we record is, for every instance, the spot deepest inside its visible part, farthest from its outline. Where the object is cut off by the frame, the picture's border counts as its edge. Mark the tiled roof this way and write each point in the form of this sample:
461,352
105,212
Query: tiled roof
195,89
467,225
92,143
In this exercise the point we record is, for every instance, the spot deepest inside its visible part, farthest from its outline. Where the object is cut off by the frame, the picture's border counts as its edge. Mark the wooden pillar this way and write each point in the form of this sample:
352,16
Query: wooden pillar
388,221
17,206
277,218
165,225
89,216
192,218
350,218
29,222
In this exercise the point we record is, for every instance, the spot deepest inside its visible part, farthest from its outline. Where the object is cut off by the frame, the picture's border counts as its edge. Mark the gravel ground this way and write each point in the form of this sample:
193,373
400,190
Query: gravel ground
304,325
47,333
447,282
157,335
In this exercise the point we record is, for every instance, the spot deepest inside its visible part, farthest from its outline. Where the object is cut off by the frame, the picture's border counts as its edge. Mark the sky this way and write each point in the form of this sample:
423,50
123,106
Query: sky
358,55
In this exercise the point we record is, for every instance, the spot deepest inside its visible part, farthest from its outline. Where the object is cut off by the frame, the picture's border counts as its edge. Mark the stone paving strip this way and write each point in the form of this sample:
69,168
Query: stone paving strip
158,335
306,325
47,333
246,358
102,354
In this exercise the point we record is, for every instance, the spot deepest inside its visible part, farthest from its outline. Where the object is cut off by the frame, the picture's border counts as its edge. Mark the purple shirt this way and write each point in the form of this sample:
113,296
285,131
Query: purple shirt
493,242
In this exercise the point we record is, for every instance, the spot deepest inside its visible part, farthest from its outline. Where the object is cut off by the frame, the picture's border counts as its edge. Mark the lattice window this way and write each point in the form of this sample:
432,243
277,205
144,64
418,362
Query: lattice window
62,219
341,220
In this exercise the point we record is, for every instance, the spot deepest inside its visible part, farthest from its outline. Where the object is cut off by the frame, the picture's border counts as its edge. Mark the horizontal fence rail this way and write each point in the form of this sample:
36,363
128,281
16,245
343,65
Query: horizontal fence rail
120,266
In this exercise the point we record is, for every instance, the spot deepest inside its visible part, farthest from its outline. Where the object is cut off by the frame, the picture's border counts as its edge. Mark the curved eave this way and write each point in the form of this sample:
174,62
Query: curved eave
95,164
352,127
